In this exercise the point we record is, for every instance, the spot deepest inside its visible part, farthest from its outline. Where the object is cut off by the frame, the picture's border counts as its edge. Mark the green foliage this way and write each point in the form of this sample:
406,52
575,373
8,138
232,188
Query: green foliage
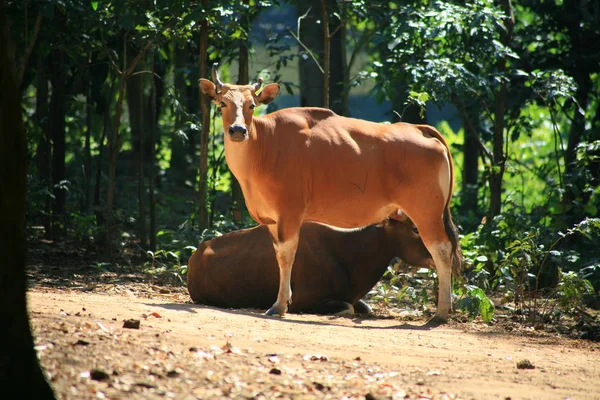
531,266
475,301
397,288
571,288
446,49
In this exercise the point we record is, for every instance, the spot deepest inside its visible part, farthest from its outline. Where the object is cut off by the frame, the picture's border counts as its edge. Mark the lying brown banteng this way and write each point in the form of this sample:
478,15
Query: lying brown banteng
333,270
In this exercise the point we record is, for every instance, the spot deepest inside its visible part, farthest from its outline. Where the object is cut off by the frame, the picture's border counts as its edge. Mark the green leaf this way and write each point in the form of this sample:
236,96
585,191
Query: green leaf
486,309
95,5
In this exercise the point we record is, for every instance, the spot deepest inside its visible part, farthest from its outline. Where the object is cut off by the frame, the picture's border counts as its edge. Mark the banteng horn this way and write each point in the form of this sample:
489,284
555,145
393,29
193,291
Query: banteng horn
215,77
258,84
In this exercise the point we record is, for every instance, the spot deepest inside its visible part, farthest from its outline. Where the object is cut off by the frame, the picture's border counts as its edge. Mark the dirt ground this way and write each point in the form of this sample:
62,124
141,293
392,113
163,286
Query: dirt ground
187,351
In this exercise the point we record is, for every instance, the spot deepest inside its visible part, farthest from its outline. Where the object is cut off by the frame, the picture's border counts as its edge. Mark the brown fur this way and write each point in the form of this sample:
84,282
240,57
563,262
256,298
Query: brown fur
309,164
332,271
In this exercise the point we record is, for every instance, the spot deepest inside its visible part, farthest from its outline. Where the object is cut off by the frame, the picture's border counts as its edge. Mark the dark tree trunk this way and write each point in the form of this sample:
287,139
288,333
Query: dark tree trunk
311,34
178,163
105,130
151,177
137,117
135,103
237,197
87,166
499,156
205,109
326,63
42,113
339,77
114,144
470,172
142,234
20,372
578,123
324,37
135,100
57,127
595,135
192,101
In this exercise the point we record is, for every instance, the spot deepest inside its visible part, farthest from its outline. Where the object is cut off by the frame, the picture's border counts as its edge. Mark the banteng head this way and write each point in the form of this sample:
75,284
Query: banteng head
403,237
237,103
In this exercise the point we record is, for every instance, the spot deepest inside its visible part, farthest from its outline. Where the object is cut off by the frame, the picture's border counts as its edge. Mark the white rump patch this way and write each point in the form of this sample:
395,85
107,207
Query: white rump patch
445,178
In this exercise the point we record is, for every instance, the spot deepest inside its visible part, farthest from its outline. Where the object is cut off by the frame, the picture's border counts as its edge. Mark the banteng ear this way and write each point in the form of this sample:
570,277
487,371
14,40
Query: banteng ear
268,93
208,89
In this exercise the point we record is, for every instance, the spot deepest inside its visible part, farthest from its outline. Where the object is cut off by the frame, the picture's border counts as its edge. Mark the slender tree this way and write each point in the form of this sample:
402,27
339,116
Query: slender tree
237,196
58,110
205,109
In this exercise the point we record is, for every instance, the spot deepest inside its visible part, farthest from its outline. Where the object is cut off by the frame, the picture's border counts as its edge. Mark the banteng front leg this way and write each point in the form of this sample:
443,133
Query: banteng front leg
285,241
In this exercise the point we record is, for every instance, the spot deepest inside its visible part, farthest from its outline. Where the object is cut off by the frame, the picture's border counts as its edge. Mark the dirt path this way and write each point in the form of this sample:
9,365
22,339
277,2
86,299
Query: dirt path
188,351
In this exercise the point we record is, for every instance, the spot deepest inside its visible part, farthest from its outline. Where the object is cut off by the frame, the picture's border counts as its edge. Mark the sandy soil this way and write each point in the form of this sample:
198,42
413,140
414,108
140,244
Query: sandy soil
187,351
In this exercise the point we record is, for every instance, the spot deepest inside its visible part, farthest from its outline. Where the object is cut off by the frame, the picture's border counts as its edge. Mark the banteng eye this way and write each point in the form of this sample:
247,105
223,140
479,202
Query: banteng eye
223,105
252,106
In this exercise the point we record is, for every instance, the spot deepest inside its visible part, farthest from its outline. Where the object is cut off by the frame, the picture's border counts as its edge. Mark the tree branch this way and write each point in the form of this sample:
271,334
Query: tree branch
25,61
297,37
471,128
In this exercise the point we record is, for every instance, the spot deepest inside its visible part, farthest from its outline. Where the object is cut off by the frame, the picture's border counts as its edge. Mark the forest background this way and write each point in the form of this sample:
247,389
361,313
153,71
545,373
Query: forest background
126,158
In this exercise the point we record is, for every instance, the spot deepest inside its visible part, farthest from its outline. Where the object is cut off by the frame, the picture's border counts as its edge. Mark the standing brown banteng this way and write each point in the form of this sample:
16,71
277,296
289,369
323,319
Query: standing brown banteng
310,164
333,269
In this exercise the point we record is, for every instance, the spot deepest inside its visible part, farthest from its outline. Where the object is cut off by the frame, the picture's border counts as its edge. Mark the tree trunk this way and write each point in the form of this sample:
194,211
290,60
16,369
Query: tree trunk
105,130
470,172
87,163
205,108
578,124
178,163
192,101
151,177
20,371
594,166
499,157
114,146
42,113
326,64
115,142
142,195
135,103
237,197
57,128
311,34
339,76
136,107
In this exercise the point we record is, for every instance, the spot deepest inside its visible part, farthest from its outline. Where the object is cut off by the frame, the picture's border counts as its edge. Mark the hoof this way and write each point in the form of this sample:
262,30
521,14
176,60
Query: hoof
362,308
349,310
437,320
275,312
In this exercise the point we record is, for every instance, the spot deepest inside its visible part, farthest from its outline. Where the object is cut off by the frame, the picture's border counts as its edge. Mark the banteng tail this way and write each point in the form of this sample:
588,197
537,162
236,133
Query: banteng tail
452,233
449,225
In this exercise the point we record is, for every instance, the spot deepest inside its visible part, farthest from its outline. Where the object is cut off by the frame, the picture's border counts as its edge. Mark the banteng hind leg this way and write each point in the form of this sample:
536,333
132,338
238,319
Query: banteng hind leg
441,253
437,242
362,308
333,307
340,307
